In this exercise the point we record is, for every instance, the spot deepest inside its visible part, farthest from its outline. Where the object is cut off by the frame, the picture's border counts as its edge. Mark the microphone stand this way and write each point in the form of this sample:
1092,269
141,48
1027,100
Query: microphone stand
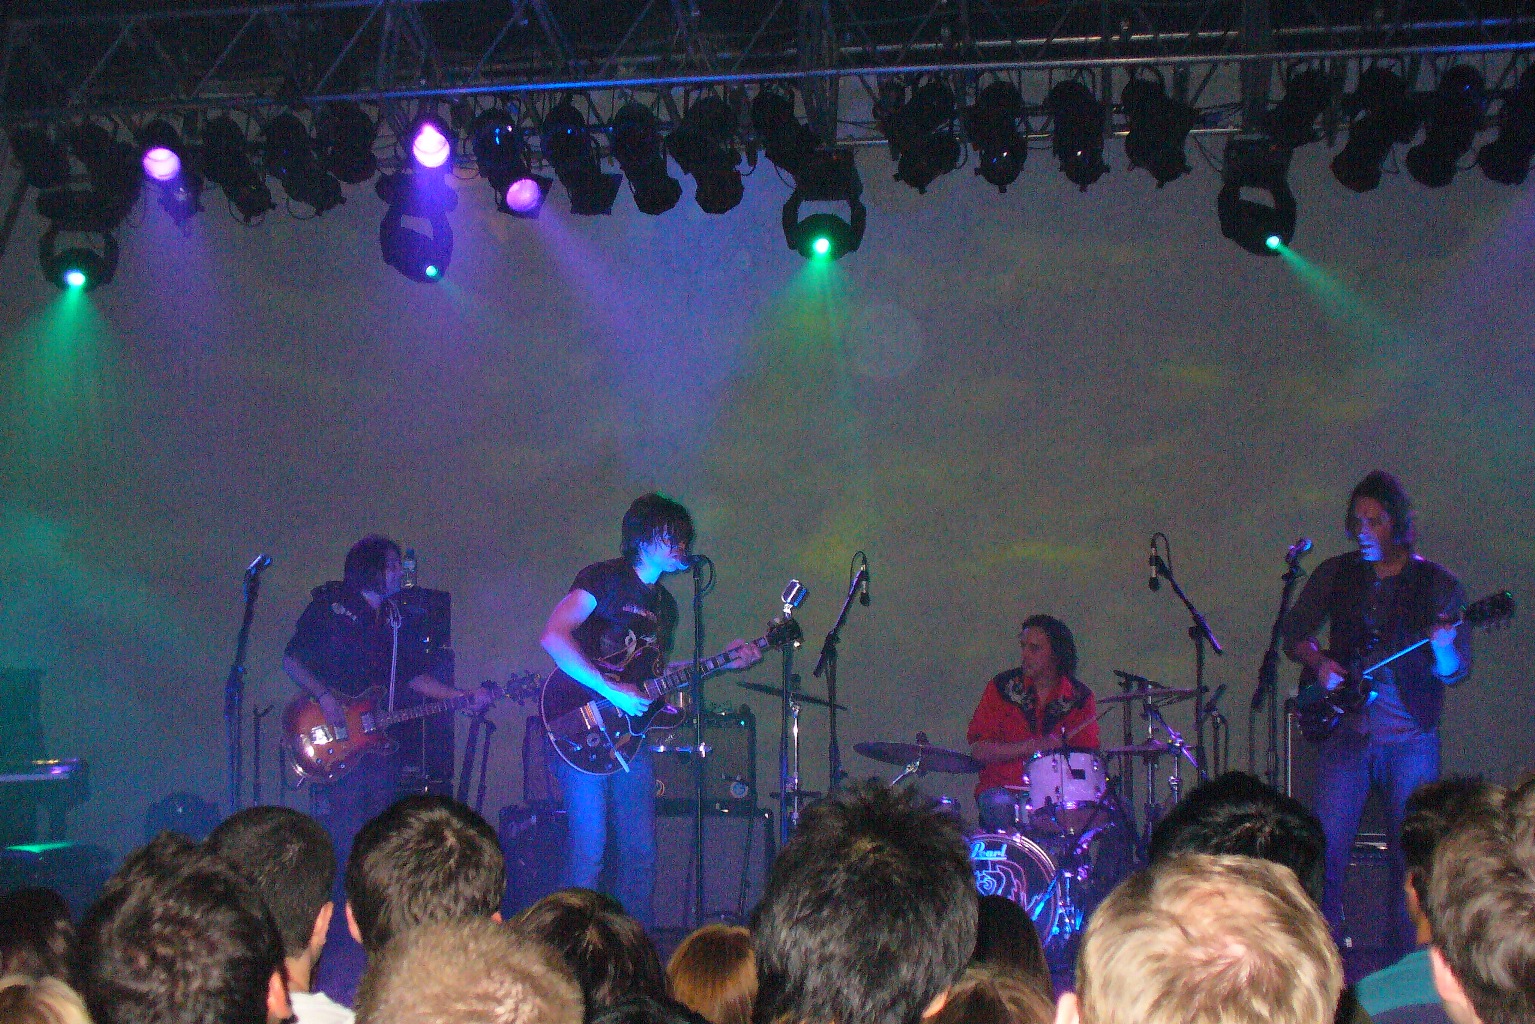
234,685
1268,680
826,665
788,730
700,588
1200,633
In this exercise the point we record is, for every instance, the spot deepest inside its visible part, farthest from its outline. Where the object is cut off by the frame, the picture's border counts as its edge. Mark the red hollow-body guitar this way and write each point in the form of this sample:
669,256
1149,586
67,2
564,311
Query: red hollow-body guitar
594,737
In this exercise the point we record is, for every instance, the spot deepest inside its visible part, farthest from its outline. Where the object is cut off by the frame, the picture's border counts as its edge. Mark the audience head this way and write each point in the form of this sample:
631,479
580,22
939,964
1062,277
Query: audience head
1202,939
427,858
1433,811
868,914
992,995
645,1010
1238,813
180,937
467,971
1006,939
25,999
612,957
287,856
714,974
37,936
1481,912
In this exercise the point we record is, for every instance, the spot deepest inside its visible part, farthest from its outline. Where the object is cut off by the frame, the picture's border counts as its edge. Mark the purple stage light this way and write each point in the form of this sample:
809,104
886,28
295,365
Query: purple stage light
522,196
161,164
430,147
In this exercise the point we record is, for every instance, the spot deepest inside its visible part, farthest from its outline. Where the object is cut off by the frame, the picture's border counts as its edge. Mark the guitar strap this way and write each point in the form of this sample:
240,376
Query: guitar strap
394,650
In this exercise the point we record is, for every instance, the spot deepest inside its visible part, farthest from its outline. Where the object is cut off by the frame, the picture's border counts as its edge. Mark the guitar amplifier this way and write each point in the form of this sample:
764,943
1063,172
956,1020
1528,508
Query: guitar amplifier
730,764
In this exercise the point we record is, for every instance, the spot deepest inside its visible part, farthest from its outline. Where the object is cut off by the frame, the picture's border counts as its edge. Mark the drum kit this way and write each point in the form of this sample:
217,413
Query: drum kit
1061,838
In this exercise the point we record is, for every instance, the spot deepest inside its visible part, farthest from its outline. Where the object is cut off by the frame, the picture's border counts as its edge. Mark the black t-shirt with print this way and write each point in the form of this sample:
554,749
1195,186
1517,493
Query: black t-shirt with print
630,631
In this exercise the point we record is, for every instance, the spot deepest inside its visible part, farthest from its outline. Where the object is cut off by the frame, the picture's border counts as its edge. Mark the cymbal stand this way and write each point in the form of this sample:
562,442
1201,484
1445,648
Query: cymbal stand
788,733
915,767
1174,740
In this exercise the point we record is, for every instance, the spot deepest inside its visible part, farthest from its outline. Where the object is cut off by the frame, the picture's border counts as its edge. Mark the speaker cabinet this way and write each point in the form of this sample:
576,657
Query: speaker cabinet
730,765
737,851
533,841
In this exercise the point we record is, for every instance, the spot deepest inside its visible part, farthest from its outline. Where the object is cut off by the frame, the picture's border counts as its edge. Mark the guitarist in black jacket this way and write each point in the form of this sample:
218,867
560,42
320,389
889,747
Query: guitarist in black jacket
616,615
1376,601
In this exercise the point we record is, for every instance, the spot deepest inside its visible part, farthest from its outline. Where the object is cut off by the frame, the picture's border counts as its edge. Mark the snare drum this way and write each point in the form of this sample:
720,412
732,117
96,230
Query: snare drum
1066,790
1015,867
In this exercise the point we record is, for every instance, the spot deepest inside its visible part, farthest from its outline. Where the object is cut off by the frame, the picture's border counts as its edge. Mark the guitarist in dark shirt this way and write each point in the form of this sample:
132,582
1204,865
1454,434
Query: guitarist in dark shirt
1376,601
617,613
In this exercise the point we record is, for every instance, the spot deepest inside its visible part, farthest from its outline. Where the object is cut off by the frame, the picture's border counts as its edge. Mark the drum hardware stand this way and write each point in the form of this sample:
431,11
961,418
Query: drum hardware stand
257,714
234,683
826,665
477,723
1268,676
1199,632
788,734
1175,741
913,768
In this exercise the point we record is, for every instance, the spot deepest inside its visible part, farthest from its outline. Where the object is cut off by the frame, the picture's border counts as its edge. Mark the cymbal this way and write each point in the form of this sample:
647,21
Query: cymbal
803,698
933,759
1165,693
1151,748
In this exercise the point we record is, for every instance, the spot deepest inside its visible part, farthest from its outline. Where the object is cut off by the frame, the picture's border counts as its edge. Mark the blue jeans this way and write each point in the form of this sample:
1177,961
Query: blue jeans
631,798
346,805
1348,765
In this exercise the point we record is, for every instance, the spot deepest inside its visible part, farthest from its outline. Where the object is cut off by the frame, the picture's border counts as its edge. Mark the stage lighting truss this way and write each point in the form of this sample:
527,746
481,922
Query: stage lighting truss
1257,164
424,195
1452,117
831,176
991,123
1078,122
1387,117
638,147
920,131
704,146
1157,129
78,265
291,159
572,151
1506,159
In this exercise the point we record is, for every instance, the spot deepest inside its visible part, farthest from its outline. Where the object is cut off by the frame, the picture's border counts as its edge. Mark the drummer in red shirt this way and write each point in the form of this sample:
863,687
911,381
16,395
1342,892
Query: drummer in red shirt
1038,706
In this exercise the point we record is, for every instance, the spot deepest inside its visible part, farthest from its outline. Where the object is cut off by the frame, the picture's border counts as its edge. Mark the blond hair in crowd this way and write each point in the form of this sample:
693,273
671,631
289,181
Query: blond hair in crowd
467,971
1201,939
28,1000
714,973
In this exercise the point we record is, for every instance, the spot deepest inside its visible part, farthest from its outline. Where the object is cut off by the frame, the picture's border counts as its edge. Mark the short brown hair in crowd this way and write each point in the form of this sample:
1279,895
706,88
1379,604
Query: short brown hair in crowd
714,973
993,995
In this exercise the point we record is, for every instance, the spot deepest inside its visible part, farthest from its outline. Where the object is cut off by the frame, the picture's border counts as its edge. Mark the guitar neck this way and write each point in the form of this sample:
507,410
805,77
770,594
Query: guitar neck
660,686
385,719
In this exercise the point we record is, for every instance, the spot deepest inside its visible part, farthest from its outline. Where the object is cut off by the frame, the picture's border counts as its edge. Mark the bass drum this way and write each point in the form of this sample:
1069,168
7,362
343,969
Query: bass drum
1017,868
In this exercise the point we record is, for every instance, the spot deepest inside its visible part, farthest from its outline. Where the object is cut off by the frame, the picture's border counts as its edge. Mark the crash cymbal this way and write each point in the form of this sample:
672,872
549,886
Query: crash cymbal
1167,693
933,759
1151,748
803,698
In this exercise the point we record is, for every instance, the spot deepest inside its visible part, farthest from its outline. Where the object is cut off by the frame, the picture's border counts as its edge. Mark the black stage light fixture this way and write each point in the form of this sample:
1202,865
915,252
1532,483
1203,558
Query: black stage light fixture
991,122
1261,165
1292,121
77,266
115,177
833,177
921,134
704,146
569,145
43,158
638,147
1159,128
423,194
292,160
227,163
1078,121
167,161
788,142
1452,117
501,154
1389,117
345,135
1506,159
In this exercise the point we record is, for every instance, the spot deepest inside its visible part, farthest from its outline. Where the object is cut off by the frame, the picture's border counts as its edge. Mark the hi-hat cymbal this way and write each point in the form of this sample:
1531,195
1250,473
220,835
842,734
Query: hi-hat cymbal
803,698
1167,693
932,759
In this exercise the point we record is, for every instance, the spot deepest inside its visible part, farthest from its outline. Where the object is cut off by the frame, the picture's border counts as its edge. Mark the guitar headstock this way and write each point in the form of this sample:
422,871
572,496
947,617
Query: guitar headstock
782,632
1490,610
520,688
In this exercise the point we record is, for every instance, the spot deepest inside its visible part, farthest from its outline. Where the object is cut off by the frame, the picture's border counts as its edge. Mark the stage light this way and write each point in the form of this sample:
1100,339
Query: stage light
1454,114
501,156
422,194
227,162
525,196
77,267
920,132
637,145
1159,127
75,277
346,134
432,272
1292,121
992,124
1261,165
1388,118
43,158
570,148
180,187
291,159
161,164
1506,159
429,144
821,246
826,234
704,147
1078,121
788,142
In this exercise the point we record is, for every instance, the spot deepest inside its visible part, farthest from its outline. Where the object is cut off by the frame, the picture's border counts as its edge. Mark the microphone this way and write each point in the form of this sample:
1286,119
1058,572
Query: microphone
1220,691
694,561
1155,583
1297,549
257,564
792,595
863,587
